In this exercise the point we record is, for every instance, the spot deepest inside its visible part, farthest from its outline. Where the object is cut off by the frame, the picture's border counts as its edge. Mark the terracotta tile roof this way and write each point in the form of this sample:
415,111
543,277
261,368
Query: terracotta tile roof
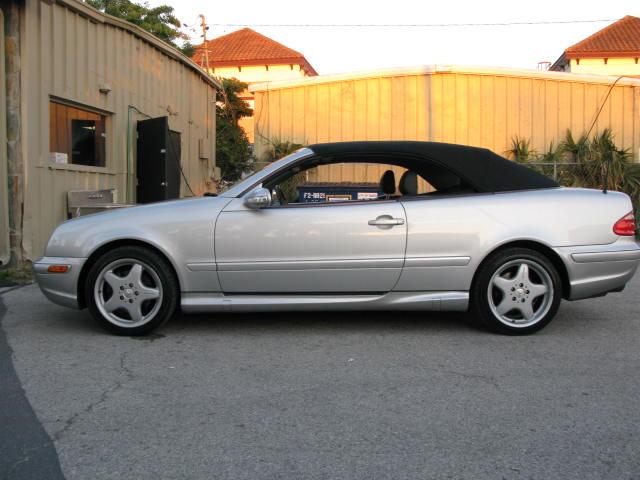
621,38
248,47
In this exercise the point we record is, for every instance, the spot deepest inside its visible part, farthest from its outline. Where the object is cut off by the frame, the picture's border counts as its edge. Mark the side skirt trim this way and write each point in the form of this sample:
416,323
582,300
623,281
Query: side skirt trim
426,301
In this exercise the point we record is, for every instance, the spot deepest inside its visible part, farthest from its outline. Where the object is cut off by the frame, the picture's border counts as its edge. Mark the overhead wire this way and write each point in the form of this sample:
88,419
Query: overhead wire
412,25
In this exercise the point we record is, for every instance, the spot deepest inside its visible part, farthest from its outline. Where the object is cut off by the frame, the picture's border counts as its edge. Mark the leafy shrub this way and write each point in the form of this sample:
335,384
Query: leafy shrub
280,148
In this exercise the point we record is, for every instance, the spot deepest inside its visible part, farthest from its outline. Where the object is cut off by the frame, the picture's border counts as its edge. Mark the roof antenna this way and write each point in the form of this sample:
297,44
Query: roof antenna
205,27
607,165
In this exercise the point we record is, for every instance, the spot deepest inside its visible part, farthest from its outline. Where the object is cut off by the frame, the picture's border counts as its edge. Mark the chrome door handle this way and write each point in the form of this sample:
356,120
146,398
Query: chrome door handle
386,221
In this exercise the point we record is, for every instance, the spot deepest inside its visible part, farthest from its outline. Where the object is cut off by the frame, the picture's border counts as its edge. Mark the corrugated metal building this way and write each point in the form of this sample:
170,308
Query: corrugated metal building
77,83
483,107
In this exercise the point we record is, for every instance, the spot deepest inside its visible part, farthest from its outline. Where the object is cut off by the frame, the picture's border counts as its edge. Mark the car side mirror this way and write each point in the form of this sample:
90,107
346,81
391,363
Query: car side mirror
258,198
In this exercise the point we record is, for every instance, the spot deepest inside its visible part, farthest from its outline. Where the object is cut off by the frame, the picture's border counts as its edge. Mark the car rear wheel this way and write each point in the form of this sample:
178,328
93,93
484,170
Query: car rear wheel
517,291
131,291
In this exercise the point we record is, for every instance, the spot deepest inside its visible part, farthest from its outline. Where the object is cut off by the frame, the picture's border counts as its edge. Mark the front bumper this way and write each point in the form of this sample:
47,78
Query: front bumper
595,270
60,288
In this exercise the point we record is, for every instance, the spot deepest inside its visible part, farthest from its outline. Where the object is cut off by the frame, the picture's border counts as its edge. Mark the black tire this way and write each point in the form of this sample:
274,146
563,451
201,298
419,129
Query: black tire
157,269
483,307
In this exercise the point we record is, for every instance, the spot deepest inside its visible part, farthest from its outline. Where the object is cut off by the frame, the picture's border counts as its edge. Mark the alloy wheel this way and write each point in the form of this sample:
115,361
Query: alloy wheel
520,293
128,292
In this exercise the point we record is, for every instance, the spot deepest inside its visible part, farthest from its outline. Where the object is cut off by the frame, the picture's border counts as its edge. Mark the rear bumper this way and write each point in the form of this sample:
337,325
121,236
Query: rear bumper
60,288
595,270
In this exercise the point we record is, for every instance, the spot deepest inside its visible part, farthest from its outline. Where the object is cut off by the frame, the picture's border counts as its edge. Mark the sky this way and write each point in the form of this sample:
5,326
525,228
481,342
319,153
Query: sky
348,49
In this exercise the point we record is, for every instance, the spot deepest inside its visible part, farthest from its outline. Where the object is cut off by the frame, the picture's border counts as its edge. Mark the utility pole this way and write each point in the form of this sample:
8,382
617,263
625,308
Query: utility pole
204,26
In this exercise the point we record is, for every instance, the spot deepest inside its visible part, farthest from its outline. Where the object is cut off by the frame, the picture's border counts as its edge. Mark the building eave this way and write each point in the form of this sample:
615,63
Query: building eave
443,69
302,62
602,54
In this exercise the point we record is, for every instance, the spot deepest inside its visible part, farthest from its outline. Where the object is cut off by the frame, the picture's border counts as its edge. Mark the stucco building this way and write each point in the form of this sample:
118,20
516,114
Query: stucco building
251,57
614,50
75,87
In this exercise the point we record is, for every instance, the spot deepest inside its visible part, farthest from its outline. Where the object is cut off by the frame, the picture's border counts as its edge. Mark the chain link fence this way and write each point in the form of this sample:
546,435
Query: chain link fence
564,173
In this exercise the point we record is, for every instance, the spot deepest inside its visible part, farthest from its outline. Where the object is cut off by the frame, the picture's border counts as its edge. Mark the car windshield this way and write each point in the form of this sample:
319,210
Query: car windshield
239,186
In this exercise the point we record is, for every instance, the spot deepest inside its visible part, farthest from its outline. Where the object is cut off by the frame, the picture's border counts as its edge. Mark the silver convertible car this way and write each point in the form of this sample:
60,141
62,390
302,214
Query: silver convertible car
447,227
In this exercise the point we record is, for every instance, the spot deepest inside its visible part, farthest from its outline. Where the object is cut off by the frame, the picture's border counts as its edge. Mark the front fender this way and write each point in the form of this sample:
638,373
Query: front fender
182,231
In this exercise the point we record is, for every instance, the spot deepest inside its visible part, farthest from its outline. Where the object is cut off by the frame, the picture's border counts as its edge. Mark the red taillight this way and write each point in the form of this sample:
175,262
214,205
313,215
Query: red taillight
626,225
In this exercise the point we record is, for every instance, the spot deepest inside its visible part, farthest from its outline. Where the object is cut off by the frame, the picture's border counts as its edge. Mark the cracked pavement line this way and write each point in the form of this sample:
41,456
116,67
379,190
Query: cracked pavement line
26,451
68,424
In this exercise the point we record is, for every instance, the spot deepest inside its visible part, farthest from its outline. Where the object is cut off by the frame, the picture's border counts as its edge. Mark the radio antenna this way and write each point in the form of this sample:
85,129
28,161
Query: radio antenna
608,163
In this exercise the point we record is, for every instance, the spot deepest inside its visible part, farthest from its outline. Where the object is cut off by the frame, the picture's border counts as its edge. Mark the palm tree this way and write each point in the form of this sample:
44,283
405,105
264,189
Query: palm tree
521,150
601,164
594,162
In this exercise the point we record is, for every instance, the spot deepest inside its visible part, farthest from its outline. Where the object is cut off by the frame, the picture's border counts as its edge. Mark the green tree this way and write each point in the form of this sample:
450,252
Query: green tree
187,49
159,21
233,150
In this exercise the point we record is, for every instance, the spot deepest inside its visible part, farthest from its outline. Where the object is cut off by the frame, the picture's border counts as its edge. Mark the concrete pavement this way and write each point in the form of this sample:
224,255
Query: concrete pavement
26,451
335,396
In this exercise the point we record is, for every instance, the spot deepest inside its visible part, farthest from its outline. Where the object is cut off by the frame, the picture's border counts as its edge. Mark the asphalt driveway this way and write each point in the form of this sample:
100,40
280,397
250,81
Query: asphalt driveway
332,396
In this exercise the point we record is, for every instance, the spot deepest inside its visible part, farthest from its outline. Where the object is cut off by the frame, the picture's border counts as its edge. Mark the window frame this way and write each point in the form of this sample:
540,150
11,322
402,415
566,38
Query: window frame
80,167
305,154
286,168
332,204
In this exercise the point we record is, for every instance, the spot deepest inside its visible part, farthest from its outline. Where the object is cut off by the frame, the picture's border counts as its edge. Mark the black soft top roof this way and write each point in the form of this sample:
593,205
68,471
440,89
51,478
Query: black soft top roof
480,168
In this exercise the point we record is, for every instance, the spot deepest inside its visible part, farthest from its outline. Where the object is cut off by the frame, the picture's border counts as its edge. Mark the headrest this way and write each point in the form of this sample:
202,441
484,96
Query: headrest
388,183
409,183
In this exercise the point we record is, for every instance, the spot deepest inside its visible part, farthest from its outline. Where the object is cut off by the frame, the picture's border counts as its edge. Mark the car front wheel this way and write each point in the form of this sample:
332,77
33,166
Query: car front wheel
131,291
517,291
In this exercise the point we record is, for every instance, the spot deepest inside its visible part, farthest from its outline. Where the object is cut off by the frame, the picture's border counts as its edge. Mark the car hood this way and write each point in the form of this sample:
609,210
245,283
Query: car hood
145,209
79,236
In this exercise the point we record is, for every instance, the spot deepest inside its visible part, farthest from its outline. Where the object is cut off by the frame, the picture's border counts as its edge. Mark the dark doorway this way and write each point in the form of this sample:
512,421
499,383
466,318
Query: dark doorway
158,161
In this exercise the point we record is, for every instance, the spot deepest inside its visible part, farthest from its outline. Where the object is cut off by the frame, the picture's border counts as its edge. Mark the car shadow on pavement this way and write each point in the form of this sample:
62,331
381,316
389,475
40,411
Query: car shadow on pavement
302,322
571,315
291,322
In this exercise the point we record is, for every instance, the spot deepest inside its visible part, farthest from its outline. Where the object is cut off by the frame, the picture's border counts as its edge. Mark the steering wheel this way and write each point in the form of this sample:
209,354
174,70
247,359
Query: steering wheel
282,199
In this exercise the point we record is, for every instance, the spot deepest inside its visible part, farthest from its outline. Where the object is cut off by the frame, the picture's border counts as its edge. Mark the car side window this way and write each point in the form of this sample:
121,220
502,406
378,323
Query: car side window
345,182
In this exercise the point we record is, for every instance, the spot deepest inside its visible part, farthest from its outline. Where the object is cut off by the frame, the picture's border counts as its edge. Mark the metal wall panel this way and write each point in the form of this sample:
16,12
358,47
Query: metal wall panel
474,107
68,55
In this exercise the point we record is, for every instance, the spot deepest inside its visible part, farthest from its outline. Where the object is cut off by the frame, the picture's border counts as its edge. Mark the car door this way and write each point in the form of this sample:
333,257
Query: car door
312,248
